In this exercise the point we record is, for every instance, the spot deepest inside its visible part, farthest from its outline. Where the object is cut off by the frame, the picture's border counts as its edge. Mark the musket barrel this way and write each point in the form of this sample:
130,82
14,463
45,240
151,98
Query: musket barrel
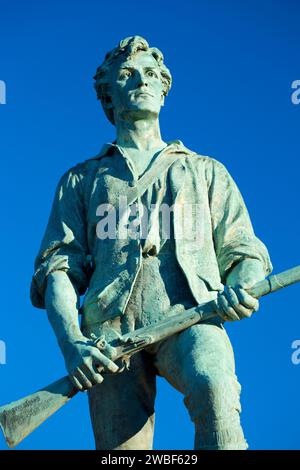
276,282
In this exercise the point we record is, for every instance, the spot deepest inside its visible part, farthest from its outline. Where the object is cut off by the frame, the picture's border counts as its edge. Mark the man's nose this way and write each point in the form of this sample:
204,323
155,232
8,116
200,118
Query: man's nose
141,79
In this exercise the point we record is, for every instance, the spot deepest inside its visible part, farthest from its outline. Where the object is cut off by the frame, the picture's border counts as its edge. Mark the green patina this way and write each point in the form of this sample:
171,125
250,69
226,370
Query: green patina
129,283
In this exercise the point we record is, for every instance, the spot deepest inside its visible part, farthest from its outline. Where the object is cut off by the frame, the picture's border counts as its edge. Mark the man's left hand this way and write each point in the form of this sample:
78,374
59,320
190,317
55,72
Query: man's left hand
235,303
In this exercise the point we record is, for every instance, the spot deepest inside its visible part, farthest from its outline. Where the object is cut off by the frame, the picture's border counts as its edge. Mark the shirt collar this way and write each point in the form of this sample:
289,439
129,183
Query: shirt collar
108,148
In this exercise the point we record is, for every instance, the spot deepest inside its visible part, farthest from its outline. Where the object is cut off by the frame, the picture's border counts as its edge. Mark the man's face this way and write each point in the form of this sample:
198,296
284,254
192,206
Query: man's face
136,87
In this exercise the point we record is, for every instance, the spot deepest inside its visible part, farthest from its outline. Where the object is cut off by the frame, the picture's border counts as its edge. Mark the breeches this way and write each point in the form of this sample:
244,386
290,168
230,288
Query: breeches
199,363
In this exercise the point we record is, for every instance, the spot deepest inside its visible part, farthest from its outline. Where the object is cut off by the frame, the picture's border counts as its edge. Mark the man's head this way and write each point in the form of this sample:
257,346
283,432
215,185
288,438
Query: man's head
132,79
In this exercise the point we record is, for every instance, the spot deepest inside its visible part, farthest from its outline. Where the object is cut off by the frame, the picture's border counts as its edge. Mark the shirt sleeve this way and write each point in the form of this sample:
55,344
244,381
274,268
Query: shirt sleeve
233,233
64,244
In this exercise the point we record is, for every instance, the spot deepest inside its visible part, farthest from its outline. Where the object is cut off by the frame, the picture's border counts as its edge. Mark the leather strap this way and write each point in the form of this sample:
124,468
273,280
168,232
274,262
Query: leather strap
157,169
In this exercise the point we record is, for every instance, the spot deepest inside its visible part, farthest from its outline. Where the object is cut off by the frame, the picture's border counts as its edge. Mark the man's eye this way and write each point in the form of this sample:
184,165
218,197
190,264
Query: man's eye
125,74
150,73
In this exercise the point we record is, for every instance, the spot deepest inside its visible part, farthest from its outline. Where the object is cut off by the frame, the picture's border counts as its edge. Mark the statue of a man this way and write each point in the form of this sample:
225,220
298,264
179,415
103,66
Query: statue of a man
132,281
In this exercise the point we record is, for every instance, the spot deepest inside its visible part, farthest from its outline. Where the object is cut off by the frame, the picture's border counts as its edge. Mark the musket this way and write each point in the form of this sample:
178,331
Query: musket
21,417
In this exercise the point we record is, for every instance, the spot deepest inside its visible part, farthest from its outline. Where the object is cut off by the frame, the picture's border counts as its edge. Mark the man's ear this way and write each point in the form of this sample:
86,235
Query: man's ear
108,102
107,95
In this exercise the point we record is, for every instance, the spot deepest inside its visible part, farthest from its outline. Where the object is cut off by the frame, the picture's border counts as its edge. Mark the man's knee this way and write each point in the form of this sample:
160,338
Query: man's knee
213,397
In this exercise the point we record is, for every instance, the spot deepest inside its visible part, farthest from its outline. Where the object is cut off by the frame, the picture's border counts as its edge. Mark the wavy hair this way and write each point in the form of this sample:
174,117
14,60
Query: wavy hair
127,48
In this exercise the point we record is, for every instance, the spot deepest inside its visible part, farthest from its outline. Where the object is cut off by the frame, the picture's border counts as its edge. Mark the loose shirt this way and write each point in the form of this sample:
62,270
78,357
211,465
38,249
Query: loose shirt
215,234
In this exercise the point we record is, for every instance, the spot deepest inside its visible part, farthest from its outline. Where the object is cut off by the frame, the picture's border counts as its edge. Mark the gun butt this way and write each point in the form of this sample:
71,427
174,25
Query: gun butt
21,417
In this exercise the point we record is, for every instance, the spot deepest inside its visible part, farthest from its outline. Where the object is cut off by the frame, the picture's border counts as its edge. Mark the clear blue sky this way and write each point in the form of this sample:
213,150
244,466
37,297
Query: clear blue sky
233,64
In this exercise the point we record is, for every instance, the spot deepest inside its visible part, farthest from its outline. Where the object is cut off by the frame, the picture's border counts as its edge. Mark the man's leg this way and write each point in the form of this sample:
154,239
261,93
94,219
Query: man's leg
199,362
122,407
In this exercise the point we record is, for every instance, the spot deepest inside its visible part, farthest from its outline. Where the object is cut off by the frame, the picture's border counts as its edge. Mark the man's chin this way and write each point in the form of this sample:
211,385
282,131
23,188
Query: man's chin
139,112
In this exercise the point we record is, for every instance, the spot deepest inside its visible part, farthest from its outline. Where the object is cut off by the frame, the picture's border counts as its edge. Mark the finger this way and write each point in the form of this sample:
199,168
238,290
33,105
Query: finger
239,308
229,313
247,300
242,311
83,380
103,360
75,382
91,373
98,377
222,307
231,296
219,310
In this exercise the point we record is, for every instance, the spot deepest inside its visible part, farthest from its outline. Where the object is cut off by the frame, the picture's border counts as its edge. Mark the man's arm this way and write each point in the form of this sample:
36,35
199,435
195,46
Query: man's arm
243,259
83,360
62,273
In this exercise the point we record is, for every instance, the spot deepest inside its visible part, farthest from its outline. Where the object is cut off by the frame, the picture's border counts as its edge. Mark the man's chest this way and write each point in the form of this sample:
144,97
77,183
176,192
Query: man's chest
175,193
115,186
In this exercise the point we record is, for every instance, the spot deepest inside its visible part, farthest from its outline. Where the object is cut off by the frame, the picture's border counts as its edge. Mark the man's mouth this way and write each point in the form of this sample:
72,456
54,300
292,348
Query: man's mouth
143,93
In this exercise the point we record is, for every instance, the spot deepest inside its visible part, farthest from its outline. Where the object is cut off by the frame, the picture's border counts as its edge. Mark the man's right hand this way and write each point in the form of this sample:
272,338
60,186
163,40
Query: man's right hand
84,362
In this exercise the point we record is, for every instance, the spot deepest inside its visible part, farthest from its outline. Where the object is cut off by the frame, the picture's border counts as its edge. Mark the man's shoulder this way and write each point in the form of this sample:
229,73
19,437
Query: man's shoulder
206,162
82,168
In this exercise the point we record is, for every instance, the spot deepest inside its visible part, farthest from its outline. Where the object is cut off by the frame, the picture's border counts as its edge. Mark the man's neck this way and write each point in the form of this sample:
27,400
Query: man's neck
140,139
